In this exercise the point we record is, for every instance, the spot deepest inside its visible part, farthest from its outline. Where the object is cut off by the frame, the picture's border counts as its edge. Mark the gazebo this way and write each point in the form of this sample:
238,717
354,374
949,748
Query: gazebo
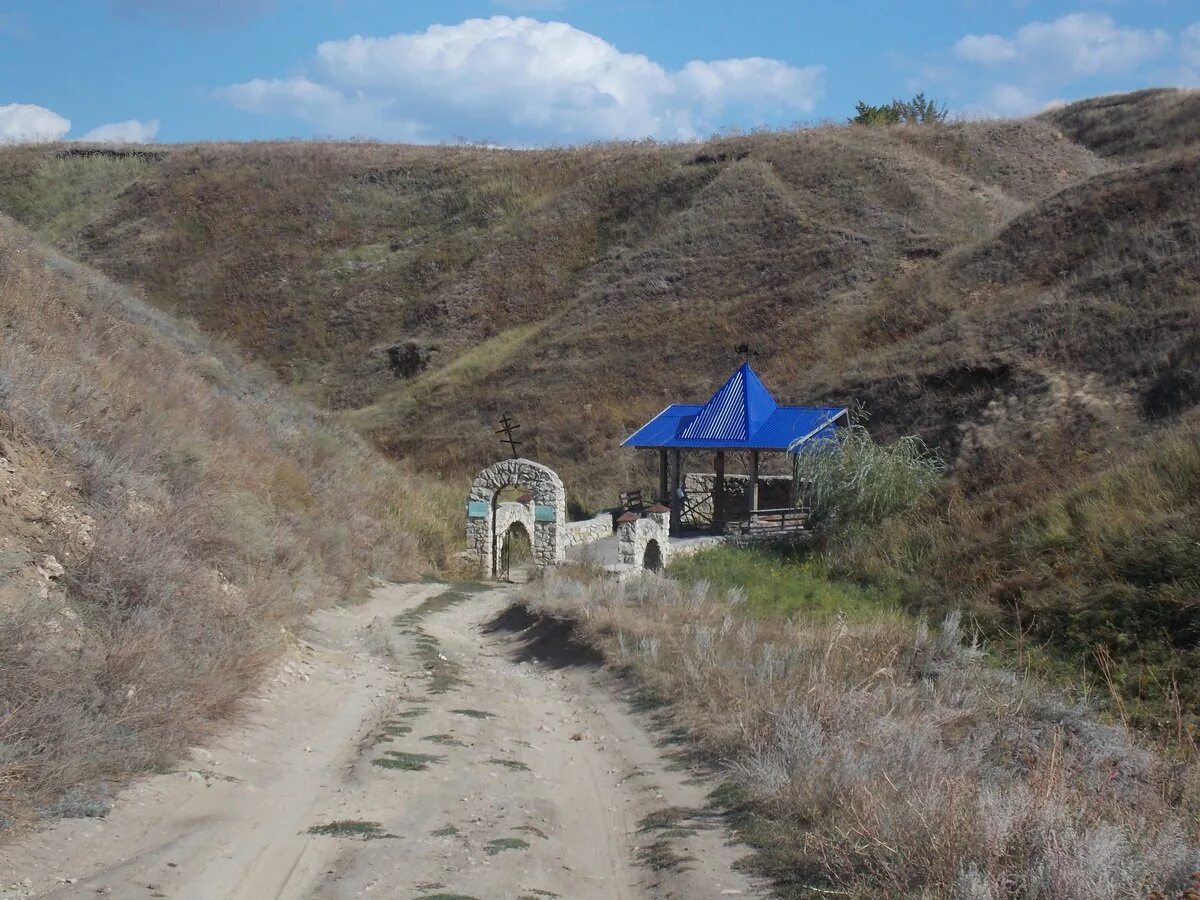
741,417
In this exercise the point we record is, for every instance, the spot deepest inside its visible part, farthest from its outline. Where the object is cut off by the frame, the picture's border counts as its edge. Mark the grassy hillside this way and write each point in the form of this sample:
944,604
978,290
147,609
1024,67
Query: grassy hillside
532,281
1025,295
164,511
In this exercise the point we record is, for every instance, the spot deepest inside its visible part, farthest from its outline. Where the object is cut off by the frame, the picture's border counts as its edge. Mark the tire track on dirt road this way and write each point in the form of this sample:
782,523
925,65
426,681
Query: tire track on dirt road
408,748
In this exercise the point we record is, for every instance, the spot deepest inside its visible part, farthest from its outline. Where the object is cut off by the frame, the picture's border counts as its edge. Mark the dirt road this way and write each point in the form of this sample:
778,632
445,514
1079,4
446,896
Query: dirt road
422,745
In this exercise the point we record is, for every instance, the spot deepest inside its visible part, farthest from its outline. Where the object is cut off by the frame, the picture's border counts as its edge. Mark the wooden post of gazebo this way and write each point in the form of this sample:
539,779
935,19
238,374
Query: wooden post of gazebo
718,504
663,497
676,503
752,487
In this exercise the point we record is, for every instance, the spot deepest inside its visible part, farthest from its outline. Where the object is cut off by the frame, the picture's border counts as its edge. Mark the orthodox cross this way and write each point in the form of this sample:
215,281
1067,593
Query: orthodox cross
507,428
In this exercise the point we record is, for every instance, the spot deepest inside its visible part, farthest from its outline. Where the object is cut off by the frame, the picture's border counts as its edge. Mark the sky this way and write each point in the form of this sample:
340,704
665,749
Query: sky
529,73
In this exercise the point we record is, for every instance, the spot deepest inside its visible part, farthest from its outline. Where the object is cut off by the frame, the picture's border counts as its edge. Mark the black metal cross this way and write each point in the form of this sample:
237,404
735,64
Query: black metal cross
507,428
745,350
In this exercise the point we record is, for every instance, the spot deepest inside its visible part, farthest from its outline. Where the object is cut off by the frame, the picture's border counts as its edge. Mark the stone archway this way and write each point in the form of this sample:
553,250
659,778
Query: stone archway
545,517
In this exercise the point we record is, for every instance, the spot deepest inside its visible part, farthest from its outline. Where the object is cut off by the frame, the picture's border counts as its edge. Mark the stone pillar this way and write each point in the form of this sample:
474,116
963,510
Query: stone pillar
752,487
676,503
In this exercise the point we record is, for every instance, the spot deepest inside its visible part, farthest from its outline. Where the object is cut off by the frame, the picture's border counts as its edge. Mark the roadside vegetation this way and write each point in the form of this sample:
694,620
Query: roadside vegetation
165,512
886,758
869,754
1097,582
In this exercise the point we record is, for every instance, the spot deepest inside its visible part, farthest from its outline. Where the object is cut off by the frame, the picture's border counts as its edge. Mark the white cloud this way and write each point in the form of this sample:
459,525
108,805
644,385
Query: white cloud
523,81
985,48
1078,45
1089,44
130,131
1010,100
1015,75
24,123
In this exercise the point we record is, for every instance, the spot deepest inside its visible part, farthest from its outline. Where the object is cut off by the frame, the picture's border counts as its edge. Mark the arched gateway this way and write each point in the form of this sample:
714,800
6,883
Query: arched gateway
544,511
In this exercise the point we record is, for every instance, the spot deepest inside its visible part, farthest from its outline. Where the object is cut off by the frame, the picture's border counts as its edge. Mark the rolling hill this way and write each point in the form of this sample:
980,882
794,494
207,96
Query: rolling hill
1023,294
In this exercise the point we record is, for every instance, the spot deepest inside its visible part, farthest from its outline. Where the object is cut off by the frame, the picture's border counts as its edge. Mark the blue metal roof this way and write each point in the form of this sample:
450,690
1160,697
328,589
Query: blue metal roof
742,415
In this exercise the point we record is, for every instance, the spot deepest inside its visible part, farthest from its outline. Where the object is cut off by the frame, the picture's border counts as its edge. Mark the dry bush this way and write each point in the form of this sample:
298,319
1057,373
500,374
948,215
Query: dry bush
223,510
888,760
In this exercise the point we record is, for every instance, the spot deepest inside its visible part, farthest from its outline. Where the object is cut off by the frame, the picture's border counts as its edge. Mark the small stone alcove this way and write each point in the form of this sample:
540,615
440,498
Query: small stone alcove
544,517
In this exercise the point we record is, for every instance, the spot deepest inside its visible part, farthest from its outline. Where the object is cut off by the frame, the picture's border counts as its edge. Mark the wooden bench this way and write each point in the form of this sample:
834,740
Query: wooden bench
771,522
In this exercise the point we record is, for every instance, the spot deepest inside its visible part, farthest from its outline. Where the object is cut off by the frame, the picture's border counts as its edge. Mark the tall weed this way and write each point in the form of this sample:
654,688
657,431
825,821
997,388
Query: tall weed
883,759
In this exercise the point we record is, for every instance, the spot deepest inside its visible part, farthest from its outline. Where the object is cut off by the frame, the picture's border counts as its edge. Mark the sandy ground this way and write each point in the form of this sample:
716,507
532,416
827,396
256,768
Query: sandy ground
464,753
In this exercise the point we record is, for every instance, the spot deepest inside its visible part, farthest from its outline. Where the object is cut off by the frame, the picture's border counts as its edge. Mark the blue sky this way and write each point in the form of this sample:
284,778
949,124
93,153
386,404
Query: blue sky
533,72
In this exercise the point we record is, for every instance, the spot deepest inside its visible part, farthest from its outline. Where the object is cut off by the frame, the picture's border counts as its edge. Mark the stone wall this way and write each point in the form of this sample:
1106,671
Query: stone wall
774,492
634,537
595,529
548,511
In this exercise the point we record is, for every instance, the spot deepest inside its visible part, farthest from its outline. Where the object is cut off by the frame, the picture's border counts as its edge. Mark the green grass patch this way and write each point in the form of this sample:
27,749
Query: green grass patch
445,831
785,582
351,828
412,713
445,740
410,762
499,845
470,367
663,857
514,764
533,829
430,605
669,817
70,192
473,713
445,675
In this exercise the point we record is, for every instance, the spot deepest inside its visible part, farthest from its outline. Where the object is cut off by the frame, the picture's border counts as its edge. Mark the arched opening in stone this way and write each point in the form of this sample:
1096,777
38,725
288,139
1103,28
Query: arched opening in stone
516,550
652,561
512,528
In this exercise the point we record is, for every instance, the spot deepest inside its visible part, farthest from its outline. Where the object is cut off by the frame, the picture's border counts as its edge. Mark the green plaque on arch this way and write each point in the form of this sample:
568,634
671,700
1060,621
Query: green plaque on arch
544,513
477,509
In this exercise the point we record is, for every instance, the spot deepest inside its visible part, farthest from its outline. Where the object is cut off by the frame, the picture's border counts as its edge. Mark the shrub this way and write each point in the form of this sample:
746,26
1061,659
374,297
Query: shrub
853,482
917,111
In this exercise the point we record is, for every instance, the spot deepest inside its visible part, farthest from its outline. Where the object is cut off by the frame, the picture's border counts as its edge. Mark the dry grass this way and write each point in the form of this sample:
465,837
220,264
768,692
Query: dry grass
1023,295
1141,125
886,760
535,281
221,511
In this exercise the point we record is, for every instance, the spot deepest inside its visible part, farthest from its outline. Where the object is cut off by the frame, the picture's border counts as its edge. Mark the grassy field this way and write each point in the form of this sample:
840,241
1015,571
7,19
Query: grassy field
777,583
886,759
